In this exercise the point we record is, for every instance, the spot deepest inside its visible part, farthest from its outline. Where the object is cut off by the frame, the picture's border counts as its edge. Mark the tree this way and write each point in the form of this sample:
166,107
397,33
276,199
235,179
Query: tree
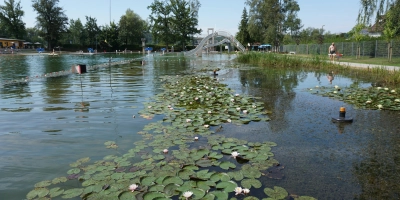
392,26
11,19
270,20
91,30
110,36
131,28
184,23
173,21
161,22
357,34
369,8
76,32
243,35
51,20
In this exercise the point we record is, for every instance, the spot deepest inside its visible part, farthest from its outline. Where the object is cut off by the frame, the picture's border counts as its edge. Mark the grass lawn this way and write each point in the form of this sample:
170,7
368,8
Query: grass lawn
366,59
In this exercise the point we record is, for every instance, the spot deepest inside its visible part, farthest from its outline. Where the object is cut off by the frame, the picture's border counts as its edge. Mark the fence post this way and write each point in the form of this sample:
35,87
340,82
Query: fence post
376,48
363,48
352,48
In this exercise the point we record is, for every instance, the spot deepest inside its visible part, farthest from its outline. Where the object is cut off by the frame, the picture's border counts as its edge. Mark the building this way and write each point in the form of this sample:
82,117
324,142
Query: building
14,43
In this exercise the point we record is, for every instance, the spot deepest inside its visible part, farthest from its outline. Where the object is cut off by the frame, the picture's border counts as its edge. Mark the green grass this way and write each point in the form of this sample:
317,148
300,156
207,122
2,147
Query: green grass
383,61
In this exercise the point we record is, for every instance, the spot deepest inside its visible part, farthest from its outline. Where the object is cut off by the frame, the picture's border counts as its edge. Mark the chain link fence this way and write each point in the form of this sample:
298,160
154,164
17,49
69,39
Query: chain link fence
377,48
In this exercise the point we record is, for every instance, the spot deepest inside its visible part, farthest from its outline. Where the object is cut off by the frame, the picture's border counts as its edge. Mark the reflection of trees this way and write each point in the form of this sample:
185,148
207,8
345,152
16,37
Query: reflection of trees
169,66
275,87
378,173
13,67
55,87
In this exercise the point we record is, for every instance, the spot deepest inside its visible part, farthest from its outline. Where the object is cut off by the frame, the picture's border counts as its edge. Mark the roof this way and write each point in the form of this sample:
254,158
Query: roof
12,39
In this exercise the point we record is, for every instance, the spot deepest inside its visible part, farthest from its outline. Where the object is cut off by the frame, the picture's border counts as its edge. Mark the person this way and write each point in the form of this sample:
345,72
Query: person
332,51
330,77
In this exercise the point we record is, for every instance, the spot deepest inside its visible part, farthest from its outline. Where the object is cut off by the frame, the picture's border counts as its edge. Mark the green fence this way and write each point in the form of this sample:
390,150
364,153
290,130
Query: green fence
377,48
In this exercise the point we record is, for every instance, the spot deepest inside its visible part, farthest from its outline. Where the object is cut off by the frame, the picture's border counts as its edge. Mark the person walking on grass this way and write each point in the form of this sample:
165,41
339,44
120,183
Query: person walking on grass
332,51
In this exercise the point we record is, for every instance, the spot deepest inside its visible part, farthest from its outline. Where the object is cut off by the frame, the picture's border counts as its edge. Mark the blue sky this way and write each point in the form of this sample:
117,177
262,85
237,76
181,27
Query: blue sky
335,15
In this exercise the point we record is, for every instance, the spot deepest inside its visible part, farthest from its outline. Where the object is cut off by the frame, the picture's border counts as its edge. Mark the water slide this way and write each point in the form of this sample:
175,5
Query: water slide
202,45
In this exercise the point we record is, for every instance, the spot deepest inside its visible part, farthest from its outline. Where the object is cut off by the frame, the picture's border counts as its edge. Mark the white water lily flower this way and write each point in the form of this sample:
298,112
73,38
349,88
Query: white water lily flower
209,112
190,103
378,88
229,120
196,98
245,111
171,108
246,191
253,106
369,101
237,95
206,125
336,86
335,92
379,106
133,187
238,190
187,194
310,88
238,109
188,120
207,99
184,88
397,100
232,100
148,106
165,150
235,154
196,138
386,88
317,86
393,91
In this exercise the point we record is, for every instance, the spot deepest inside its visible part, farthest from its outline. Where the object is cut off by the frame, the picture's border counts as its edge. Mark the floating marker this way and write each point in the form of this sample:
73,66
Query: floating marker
342,116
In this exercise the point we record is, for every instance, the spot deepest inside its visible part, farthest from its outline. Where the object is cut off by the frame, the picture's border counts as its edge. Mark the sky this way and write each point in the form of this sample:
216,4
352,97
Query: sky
335,16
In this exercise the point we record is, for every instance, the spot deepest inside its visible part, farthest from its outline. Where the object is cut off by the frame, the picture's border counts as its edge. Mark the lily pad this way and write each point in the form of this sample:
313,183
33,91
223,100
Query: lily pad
276,193
226,165
248,183
71,193
153,195
227,186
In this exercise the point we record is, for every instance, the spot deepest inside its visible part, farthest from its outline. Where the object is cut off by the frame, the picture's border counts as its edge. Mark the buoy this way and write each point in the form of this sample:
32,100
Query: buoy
342,116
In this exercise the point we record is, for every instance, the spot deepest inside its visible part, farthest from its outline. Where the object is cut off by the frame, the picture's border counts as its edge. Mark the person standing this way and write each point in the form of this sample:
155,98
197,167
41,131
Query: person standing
332,51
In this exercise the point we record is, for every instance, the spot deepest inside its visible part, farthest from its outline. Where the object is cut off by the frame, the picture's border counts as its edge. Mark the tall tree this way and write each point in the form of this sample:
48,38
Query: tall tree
270,20
110,36
184,22
11,19
131,28
51,20
76,32
243,35
91,30
392,26
371,8
161,22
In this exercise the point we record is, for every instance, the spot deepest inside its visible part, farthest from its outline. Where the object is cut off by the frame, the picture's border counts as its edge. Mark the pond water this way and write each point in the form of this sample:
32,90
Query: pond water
50,122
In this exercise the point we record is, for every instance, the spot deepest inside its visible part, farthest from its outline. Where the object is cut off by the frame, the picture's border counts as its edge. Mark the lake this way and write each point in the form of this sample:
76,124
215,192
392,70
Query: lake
52,120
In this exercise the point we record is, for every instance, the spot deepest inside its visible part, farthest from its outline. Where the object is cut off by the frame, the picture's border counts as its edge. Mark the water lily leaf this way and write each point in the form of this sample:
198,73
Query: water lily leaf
39,192
237,175
251,198
108,143
248,183
59,180
198,193
220,194
226,165
185,174
209,196
54,192
160,179
227,186
220,177
205,185
43,184
152,195
172,179
276,193
215,155
170,189
158,157
251,173
204,163
228,145
147,181
305,198
117,176
156,188
128,195
71,193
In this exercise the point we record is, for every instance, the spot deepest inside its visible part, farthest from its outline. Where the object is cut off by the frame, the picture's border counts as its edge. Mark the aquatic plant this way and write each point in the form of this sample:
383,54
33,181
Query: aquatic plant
168,163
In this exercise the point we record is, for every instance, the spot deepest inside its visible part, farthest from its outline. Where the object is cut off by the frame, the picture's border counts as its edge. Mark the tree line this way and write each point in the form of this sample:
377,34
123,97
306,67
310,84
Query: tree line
171,22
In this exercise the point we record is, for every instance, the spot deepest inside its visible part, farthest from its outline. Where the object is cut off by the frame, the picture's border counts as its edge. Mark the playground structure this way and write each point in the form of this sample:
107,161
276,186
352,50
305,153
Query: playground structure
209,41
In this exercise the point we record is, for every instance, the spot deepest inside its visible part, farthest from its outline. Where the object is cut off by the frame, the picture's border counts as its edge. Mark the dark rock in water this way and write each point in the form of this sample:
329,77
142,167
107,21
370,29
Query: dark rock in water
120,169
72,176
275,172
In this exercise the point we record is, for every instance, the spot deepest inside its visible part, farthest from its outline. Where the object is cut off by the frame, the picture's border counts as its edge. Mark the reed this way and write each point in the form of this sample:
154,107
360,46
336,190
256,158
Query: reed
317,62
